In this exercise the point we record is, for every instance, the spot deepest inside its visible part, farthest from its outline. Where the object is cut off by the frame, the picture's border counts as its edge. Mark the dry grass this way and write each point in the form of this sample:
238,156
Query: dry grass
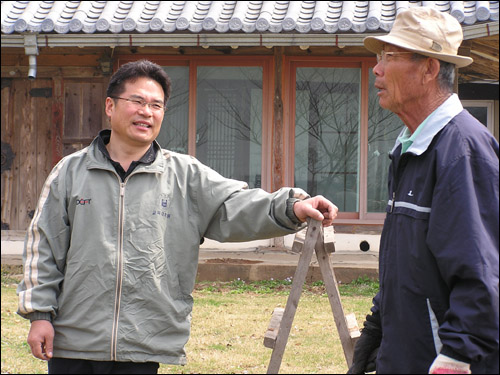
16,353
227,335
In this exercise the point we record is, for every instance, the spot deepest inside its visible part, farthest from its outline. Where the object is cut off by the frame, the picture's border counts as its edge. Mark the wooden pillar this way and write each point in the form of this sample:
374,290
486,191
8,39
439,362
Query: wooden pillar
277,147
10,159
57,119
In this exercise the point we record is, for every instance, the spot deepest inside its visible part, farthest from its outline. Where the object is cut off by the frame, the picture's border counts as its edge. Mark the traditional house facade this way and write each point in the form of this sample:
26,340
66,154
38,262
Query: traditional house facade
275,93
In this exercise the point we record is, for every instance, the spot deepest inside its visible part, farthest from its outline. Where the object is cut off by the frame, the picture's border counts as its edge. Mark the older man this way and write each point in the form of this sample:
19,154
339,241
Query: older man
437,308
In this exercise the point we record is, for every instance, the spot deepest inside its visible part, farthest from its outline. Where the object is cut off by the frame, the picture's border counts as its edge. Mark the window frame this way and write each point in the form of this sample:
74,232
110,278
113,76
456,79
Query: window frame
490,111
291,63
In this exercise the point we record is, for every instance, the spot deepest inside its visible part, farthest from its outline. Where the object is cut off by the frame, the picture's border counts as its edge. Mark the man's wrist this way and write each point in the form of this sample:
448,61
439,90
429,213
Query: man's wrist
289,210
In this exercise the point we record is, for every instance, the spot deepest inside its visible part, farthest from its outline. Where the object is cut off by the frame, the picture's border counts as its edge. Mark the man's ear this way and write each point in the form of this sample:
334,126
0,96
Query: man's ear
109,106
431,70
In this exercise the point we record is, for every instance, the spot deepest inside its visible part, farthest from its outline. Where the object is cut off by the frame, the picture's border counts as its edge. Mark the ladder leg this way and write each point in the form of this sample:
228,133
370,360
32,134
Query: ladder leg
293,299
334,297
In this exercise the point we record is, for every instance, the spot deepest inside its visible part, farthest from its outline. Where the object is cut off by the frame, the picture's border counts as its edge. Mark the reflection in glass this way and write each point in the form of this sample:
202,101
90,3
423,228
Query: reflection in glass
229,121
383,129
174,129
327,122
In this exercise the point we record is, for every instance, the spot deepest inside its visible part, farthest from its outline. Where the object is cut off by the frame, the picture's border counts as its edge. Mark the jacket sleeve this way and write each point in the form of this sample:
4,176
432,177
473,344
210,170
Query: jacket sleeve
463,237
229,211
44,255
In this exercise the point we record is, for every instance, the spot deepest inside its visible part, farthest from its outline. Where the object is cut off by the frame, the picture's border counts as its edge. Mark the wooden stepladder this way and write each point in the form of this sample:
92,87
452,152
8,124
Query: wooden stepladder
278,331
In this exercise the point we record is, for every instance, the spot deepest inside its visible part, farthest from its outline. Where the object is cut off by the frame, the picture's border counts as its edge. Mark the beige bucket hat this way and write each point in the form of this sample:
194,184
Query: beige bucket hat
426,31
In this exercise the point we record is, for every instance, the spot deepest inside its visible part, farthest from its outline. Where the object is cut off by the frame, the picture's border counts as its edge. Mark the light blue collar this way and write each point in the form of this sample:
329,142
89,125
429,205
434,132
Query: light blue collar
406,138
436,121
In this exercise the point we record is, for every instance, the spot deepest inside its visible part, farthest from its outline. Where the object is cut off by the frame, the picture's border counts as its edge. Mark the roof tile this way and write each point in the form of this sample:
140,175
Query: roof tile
302,17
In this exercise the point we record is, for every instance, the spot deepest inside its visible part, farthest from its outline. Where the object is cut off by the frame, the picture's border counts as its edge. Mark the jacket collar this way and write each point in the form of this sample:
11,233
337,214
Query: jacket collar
97,159
434,123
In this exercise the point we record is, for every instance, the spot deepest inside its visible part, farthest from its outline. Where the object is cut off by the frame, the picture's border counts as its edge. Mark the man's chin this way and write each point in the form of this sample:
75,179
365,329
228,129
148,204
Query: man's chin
382,103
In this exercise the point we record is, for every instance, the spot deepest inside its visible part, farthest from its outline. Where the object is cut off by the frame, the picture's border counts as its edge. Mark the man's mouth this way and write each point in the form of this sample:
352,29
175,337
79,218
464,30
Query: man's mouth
380,89
142,124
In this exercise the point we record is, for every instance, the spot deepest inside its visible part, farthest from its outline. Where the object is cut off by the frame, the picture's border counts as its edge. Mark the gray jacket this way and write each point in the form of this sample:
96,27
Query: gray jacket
112,264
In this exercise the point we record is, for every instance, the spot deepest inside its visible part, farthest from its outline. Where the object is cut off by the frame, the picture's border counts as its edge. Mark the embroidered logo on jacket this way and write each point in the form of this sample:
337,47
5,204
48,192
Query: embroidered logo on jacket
83,201
162,206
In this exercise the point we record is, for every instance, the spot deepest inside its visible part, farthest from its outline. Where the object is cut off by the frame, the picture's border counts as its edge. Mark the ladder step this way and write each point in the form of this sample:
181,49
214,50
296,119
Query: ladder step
329,240
352,326
273,328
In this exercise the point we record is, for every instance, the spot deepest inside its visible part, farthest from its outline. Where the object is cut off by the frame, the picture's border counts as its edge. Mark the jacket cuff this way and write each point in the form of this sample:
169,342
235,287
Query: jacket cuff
40,316
289,211
296,194
299,194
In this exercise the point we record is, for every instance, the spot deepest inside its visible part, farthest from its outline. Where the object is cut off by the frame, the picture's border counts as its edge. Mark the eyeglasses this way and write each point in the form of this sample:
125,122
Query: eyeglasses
382,56
141,103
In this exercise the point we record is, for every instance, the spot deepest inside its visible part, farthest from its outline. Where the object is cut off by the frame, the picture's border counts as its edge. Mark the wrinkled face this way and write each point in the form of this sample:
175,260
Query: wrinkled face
131,123
399,80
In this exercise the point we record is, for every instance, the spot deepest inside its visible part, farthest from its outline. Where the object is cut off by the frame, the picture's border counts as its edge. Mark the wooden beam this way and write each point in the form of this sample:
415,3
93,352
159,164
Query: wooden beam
57,119
52,71
277,150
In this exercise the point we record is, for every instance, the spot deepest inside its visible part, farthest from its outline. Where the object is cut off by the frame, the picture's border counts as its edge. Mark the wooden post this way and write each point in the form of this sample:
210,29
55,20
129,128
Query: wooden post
57,119
277,156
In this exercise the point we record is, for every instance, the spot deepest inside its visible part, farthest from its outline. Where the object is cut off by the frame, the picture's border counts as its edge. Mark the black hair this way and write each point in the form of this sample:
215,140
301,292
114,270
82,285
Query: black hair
131,71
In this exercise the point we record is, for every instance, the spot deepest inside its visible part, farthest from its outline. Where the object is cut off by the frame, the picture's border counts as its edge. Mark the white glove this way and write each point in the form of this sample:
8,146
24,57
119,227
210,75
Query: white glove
446,365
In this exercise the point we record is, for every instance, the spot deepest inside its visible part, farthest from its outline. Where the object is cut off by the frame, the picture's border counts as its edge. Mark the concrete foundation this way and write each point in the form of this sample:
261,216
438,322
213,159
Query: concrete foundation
238,261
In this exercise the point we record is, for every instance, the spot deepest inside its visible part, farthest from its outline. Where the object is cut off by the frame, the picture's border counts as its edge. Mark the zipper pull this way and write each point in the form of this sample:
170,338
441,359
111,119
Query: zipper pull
393,200
122,189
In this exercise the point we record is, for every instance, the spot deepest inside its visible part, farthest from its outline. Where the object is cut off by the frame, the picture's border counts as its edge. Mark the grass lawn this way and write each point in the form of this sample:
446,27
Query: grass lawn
228,326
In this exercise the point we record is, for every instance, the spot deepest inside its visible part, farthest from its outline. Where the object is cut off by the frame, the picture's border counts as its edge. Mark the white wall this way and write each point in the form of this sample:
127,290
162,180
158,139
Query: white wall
342,242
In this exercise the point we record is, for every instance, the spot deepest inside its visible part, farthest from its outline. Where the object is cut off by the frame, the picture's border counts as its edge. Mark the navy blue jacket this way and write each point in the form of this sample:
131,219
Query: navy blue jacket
439,253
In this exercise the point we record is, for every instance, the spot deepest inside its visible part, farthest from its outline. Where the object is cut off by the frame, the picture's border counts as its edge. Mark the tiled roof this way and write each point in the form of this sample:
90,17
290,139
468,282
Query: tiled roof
245,17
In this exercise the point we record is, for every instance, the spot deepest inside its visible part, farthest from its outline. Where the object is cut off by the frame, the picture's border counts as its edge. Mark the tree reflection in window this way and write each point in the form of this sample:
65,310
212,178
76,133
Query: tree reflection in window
229,121
383,129
174,129
327,123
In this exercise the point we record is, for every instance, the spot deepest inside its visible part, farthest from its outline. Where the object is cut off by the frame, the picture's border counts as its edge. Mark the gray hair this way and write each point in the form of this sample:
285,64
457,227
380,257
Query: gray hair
446,75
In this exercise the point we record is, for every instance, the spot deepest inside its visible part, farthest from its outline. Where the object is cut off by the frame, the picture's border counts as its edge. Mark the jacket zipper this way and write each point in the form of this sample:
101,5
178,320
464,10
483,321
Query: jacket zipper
395,166
395,179
119,276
